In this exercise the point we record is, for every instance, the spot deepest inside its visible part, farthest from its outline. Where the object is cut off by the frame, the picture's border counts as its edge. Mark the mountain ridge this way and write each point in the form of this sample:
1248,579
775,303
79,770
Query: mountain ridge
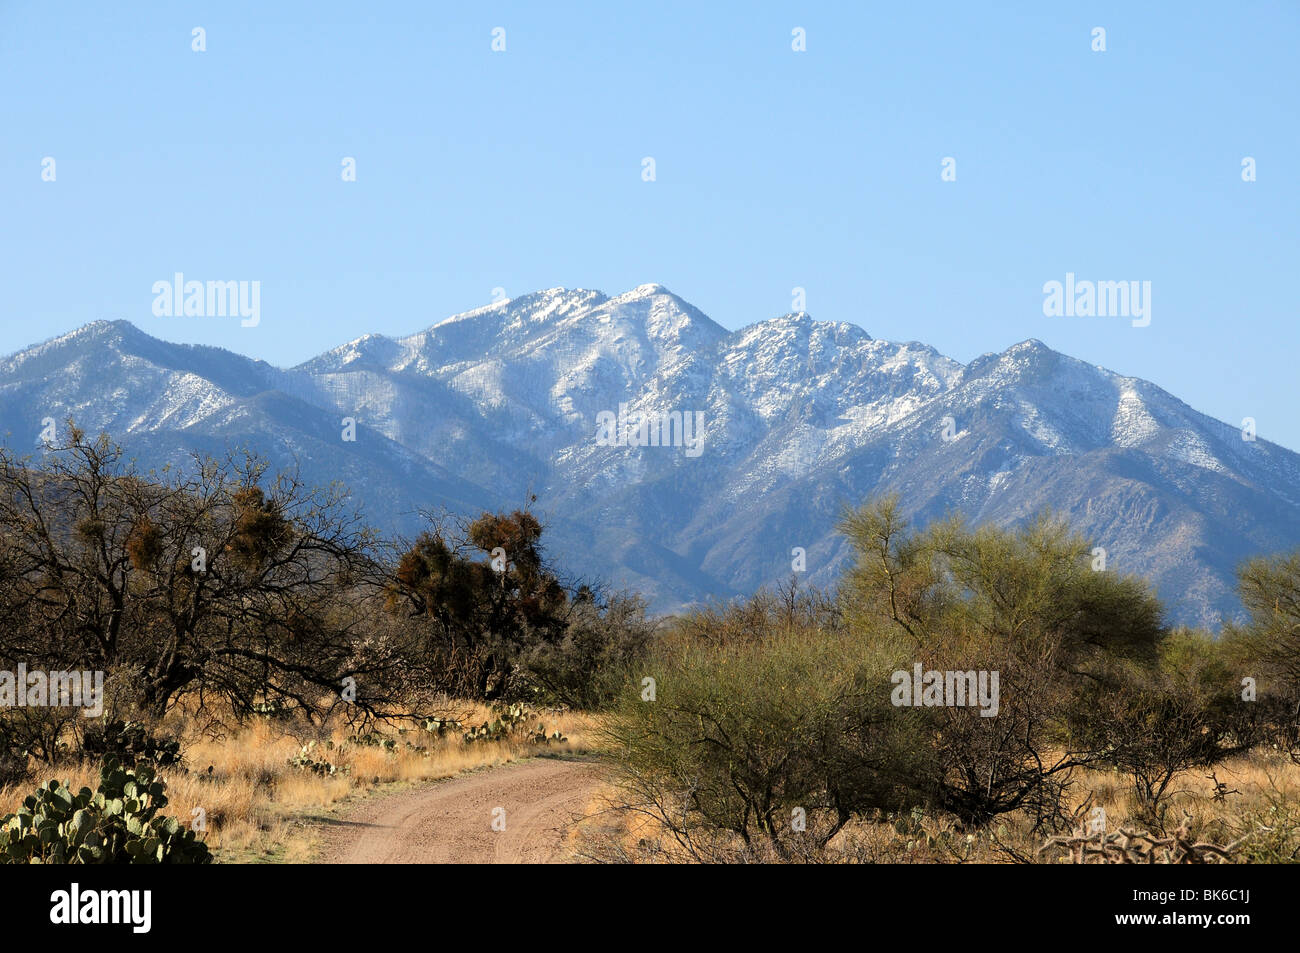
801,417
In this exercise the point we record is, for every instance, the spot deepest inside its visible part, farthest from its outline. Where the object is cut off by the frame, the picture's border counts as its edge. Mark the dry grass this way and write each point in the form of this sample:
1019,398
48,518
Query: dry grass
1259,796
258,807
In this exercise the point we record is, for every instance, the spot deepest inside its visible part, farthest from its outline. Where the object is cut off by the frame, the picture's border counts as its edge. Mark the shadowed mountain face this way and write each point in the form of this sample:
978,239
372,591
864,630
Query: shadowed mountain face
798,418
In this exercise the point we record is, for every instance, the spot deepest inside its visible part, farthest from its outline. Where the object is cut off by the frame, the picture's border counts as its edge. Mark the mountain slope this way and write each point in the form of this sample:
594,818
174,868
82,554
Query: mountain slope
164,401
799,419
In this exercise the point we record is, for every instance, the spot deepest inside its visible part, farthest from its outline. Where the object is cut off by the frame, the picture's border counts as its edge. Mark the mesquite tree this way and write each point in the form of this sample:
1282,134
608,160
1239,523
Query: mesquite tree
216,577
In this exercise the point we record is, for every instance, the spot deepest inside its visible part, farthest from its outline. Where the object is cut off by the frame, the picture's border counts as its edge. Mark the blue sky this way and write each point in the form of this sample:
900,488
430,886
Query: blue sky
775,169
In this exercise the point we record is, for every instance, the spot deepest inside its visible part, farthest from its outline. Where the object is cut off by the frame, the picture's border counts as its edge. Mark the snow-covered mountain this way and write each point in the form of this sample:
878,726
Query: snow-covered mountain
799,419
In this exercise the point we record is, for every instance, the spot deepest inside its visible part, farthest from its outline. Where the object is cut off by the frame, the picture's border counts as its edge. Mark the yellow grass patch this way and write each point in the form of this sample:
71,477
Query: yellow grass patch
257,806
1257,792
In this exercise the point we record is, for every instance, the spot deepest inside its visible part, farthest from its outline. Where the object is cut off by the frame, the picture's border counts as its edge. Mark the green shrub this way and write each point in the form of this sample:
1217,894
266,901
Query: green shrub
783,707
744,736
118,824
1154,722
1025,603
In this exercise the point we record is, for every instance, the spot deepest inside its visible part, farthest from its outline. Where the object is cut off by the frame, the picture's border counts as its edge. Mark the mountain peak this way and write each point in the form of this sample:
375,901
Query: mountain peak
802,416
653,293
1030,357
1031,347
98,332
100,329
665,317
645,291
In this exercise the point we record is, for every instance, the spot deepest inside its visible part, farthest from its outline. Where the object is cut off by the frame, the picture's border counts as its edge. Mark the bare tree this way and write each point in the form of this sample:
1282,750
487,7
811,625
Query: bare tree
216,577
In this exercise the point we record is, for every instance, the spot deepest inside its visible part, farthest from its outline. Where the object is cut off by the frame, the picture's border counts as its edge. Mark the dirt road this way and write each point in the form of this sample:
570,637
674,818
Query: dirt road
452,821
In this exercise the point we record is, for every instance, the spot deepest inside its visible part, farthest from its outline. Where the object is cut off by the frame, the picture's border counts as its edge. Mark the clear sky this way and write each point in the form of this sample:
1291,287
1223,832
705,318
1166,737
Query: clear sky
522,169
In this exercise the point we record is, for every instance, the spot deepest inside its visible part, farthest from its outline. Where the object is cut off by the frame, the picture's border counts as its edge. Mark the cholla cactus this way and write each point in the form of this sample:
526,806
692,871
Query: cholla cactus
1136,847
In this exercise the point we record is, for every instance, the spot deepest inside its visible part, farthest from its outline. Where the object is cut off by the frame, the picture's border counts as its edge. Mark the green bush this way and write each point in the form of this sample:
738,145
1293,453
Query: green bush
118,824
782,707
1154,722
758,749
1025,603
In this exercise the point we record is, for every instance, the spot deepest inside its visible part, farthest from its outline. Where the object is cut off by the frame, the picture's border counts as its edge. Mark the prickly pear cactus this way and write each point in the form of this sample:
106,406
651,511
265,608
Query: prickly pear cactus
130,743
512,721
440,726
117,824
307,761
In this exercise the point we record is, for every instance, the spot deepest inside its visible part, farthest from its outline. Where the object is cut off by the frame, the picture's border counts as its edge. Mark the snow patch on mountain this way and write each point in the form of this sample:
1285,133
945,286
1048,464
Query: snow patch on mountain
802,417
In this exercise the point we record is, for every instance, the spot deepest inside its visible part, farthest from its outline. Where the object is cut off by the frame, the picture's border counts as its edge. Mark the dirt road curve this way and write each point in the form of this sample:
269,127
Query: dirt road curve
451,821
